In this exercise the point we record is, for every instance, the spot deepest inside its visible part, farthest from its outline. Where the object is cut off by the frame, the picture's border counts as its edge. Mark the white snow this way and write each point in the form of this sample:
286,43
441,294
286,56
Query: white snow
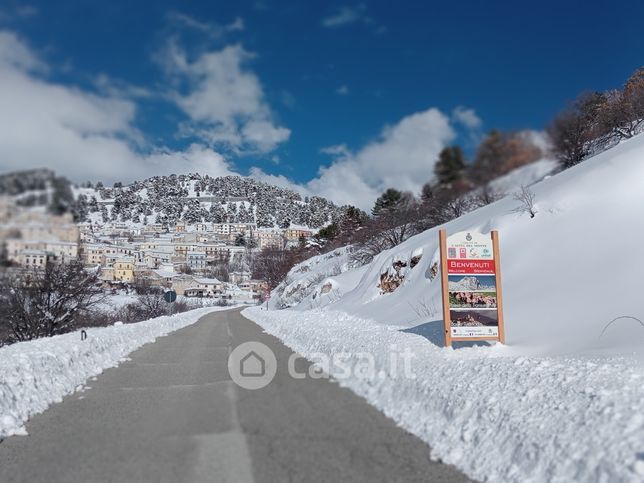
38,373
524,176
318,280
564,399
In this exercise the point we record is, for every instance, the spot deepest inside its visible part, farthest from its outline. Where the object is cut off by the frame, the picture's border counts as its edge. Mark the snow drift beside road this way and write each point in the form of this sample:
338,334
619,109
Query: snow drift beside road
492,412
38,373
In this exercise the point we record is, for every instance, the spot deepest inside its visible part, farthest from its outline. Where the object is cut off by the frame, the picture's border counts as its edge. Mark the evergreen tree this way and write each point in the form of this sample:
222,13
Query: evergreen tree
240,240
388,201
427,193
450,165
62,197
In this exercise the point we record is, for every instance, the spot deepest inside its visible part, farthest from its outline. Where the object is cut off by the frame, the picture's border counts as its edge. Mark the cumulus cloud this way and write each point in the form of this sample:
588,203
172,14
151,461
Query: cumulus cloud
224,100
402,157
80,134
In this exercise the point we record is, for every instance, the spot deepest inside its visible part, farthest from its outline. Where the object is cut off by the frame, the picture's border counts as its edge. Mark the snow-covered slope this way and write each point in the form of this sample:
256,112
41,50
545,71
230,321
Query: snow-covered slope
570,270
563,400
318,281
524,176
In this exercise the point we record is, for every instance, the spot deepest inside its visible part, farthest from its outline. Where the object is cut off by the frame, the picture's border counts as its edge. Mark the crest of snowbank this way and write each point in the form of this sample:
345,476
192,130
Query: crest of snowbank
38,373
494,413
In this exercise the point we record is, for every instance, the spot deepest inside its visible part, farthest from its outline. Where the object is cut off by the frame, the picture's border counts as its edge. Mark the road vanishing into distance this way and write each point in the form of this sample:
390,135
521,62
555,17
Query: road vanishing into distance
173,414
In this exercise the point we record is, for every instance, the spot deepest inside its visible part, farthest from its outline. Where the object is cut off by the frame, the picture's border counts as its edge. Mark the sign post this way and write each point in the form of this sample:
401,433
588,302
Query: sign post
471,287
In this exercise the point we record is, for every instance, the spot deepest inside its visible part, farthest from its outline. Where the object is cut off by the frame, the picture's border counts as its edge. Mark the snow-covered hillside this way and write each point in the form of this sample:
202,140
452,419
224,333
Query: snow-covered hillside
318,281
194,198
563,400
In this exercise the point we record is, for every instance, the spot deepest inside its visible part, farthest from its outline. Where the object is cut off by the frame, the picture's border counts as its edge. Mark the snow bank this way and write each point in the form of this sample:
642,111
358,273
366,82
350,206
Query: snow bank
493,412
38,373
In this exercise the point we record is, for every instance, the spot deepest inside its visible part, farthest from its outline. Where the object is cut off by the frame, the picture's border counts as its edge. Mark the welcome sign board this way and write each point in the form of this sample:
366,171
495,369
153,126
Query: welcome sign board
470,275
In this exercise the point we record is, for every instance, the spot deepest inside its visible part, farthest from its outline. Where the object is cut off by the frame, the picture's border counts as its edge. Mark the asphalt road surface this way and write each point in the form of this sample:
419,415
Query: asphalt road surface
173,414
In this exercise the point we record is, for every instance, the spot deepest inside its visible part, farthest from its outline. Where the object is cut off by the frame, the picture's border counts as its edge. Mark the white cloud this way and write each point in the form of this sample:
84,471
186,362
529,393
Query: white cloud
403,157
236,25
14,53
211,29
224,100
79,134
336,150
467,117
345,15
117,88
539,139
343,90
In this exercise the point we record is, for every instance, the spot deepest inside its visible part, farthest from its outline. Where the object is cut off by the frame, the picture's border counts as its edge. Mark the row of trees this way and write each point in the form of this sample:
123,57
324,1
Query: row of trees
458,186
598,120
593,122
497,154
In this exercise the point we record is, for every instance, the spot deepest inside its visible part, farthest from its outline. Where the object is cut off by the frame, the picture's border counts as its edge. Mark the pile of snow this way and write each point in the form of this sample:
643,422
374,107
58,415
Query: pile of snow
564,400
38,373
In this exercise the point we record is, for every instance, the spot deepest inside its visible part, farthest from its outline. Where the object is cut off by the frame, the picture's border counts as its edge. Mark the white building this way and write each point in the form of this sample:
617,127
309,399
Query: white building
196,260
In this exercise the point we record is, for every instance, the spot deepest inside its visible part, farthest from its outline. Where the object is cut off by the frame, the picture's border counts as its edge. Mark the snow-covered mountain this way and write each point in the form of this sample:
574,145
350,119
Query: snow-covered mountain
469,284
192,198
195,198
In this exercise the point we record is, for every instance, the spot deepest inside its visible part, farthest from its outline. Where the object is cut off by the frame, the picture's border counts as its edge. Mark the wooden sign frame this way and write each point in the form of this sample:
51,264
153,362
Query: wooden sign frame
447,323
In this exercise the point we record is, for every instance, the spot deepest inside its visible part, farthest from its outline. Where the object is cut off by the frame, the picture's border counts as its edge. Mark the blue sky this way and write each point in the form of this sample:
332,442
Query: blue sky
340,99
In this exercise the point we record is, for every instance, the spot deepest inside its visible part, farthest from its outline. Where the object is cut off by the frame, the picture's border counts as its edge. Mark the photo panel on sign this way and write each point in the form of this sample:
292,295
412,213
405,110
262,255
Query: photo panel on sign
474,323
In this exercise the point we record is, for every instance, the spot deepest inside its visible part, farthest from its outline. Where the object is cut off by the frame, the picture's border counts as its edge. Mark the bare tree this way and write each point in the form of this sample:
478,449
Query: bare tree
622,115
526,198
150,305
573,130
387,230
486,195
272,265
49,301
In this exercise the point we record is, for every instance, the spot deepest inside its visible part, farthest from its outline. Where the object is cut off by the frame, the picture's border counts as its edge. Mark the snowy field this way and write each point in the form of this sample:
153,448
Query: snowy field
38,373
564,400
